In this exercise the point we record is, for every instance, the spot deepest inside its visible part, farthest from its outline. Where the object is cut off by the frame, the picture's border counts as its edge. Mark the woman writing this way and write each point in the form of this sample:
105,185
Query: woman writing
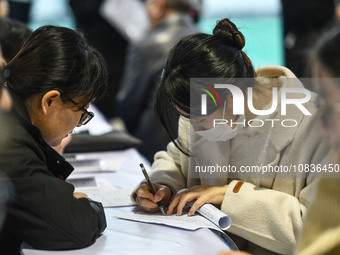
51,81
266,210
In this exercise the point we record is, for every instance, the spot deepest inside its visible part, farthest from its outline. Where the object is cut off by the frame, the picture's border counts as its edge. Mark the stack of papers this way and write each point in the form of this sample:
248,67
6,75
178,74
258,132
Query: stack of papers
102,191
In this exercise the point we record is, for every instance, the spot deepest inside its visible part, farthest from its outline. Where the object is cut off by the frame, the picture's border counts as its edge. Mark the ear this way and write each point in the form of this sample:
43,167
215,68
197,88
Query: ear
49,100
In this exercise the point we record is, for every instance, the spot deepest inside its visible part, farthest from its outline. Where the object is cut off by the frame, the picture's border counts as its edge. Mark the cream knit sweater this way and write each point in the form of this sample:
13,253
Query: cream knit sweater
268,210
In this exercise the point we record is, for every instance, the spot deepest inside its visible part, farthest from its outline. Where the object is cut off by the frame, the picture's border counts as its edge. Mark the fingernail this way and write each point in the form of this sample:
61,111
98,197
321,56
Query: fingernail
190,214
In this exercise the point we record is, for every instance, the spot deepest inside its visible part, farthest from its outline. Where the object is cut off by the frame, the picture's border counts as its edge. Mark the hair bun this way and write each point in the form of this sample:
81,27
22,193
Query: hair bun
226,31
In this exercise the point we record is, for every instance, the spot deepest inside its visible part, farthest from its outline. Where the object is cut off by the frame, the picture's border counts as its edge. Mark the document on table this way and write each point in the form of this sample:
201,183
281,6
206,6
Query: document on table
187,222
110,197
215,215
102,191
87,164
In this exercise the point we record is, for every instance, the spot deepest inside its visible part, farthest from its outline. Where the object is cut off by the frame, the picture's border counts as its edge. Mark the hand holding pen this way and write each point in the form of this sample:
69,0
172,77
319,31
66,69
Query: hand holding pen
151,196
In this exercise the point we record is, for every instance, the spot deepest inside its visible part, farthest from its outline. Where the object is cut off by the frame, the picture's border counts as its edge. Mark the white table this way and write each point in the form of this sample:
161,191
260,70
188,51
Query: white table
130,237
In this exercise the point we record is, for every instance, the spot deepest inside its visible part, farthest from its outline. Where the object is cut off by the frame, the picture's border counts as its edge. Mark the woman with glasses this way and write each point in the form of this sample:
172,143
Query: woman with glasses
52,81
214,162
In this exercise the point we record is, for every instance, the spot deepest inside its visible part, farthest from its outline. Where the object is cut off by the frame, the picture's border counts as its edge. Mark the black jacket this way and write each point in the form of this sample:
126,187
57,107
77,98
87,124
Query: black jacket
42,211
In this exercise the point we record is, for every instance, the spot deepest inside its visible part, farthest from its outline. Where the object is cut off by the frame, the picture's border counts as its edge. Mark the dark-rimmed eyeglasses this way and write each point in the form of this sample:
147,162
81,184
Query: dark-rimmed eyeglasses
86,116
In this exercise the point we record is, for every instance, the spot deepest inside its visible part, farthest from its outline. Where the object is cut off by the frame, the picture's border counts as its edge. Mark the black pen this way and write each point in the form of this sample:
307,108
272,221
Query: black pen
153,191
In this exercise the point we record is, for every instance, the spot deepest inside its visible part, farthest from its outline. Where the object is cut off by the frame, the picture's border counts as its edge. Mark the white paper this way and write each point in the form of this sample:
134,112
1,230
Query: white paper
128,16
214,215
89,162
105,193
85,181
184,221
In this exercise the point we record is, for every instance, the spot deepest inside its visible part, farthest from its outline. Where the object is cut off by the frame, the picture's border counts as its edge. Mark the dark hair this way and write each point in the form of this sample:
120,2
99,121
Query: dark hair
179,5
13,34
58,58
201,55
327,50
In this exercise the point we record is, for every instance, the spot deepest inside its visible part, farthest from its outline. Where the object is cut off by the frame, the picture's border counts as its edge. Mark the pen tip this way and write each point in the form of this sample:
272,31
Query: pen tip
141,165
162,210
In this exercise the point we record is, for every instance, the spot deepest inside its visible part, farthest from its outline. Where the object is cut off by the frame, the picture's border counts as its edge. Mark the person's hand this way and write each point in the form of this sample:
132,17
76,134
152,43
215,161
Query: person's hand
80,195
61,147
234,253
203,195
147,201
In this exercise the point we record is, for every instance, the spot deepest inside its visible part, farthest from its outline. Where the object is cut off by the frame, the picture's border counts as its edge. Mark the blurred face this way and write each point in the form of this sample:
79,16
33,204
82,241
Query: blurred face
55,118
156,11
5,100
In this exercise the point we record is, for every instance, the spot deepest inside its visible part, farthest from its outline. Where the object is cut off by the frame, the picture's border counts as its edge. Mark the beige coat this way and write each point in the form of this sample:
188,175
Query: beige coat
268,210
321,230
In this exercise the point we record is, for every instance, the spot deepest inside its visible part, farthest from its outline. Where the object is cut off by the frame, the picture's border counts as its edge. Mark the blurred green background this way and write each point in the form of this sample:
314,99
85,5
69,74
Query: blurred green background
259,20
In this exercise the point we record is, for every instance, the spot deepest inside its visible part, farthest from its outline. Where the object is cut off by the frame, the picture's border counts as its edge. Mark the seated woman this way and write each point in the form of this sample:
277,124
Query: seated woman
266,209
52,81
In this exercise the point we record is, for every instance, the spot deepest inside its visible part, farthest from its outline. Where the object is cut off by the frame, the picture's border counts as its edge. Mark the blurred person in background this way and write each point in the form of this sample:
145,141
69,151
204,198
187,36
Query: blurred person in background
20,10
51,81
320,233
303,21
321,230
5,105
13,33
170,20
111,44
12,36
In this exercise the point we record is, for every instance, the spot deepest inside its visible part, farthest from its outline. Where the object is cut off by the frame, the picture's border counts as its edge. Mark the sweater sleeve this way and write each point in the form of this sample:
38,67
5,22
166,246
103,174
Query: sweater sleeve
165,171
272,218
266,217
170,167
